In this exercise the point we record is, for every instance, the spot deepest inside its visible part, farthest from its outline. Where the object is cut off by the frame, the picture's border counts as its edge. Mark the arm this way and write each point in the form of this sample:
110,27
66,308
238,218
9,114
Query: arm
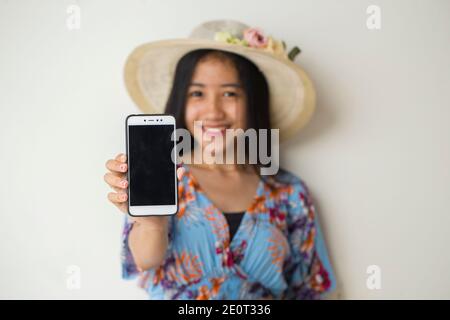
148,243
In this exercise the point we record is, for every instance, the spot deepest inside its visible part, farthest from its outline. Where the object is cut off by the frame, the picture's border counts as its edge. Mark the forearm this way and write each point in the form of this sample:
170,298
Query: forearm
148,245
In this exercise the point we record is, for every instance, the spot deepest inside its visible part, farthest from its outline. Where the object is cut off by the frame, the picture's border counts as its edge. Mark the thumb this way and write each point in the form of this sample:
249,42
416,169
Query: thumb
180,172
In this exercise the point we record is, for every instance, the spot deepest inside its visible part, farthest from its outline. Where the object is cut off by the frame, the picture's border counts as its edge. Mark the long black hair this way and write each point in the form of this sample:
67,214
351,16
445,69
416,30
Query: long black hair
253,82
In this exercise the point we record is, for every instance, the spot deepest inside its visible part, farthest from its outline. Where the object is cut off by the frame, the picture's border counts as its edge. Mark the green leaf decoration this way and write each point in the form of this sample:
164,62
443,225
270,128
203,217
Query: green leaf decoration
293,53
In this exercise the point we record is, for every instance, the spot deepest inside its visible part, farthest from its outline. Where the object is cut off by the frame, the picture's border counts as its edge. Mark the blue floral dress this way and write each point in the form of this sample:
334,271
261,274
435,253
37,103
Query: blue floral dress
277,252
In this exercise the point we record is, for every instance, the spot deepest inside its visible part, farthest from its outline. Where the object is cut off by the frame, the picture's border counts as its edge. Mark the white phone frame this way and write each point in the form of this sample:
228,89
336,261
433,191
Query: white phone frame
145,120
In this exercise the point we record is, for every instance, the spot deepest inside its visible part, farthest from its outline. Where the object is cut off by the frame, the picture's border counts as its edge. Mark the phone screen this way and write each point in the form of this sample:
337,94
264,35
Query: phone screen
151,170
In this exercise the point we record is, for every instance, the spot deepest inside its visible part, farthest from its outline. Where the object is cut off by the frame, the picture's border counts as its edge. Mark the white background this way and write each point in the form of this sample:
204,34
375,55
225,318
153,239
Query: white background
376,154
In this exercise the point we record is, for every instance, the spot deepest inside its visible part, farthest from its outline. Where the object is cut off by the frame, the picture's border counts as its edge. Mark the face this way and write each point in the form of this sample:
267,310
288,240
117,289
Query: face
215,97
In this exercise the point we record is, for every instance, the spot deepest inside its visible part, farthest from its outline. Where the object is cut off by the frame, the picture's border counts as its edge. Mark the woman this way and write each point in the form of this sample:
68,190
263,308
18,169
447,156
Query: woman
238,234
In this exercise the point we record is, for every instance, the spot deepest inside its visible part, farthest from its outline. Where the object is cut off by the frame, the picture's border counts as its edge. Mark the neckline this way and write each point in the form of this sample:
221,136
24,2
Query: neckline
221,214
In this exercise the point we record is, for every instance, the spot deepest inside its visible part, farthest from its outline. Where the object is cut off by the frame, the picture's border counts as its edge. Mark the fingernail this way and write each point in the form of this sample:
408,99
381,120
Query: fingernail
122,167
124,183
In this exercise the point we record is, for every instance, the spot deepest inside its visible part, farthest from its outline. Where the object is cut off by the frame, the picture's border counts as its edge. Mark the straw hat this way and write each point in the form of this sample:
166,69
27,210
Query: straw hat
149,70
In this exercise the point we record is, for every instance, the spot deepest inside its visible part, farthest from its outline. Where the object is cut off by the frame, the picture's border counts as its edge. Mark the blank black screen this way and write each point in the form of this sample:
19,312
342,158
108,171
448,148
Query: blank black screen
152,172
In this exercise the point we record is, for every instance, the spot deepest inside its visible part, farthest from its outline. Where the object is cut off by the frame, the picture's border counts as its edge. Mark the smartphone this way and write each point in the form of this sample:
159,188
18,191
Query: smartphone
152,179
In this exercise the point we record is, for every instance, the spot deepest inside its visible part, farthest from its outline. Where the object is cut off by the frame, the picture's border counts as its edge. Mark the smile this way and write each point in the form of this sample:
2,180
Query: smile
214,130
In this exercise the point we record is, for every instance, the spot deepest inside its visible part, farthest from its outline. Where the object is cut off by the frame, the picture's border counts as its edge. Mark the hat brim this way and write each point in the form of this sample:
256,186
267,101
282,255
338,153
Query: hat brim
149,71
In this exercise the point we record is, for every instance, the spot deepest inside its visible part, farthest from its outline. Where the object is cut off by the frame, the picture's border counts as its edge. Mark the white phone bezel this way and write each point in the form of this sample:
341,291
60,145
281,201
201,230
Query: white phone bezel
142,211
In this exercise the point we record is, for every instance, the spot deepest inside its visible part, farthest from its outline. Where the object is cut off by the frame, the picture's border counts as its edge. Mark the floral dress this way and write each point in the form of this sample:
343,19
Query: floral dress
277,252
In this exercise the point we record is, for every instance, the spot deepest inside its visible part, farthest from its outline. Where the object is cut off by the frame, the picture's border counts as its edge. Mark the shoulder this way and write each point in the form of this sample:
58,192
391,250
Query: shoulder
287,177
291,192
287,181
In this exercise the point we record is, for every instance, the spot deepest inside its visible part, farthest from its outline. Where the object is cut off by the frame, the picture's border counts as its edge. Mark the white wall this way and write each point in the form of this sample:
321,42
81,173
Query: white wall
375,155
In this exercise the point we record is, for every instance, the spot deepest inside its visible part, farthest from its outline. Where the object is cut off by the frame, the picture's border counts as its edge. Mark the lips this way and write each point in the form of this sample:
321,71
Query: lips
215,129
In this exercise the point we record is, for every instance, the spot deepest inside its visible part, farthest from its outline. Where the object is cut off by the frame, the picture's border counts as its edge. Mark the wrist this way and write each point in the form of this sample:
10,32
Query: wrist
149,225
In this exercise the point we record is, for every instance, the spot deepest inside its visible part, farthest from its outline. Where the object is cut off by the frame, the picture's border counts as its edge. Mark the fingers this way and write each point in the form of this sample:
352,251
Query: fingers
118,190
119,197
180,172
116,166
122,206
121,157
119,200
115,181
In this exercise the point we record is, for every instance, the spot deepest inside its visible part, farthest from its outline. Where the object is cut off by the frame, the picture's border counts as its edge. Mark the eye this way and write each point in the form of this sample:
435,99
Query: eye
230,94
195,94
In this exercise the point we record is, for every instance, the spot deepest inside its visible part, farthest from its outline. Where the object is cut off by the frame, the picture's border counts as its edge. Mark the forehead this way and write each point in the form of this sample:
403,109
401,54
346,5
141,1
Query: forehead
212,70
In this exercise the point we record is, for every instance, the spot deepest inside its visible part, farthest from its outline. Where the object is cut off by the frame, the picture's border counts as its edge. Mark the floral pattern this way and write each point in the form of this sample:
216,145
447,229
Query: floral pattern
278,251
255,38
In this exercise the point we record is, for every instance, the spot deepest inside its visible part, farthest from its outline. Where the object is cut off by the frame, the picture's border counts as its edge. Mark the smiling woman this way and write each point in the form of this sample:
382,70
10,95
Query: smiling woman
275,248
220,90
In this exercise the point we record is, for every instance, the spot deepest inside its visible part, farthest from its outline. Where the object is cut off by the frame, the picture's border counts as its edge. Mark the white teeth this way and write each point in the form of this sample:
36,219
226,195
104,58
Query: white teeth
214,128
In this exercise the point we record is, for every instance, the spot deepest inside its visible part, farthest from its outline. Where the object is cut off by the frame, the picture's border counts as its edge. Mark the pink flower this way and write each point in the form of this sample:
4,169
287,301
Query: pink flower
255,38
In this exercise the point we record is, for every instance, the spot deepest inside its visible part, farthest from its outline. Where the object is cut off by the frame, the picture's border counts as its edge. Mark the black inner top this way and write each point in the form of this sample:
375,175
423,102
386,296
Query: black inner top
233,219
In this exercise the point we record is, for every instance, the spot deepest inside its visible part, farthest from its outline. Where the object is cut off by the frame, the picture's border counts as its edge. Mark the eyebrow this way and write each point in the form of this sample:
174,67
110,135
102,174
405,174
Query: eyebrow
236,85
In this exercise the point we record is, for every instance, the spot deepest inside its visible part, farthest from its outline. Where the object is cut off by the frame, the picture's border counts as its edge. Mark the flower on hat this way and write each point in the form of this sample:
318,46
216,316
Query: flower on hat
276,47
227,37
255,38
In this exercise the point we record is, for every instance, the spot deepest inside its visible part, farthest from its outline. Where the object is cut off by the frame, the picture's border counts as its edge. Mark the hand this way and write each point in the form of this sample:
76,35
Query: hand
116,179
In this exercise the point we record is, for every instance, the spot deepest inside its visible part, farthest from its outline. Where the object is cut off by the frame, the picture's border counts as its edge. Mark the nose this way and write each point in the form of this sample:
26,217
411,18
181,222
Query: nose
215,108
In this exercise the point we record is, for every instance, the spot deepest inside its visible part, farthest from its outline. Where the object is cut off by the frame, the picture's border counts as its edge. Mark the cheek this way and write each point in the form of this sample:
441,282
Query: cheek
238,115
190,117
